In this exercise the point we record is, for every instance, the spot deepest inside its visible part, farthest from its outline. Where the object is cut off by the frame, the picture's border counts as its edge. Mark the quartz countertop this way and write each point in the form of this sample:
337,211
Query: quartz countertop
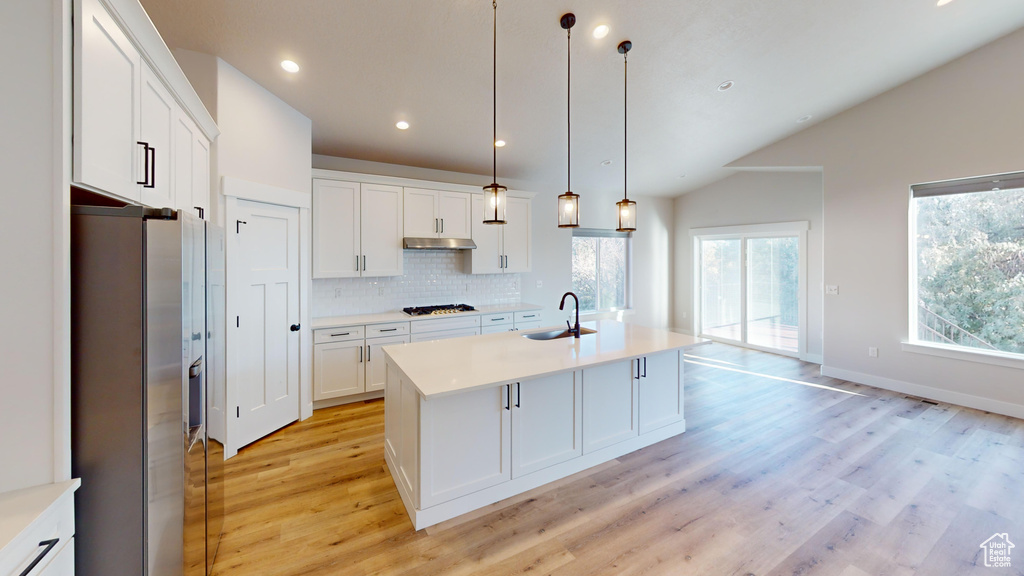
399,316
443,367
20,508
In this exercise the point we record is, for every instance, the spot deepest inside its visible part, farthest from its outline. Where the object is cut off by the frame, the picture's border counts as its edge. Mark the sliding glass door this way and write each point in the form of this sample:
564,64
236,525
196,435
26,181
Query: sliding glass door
749,289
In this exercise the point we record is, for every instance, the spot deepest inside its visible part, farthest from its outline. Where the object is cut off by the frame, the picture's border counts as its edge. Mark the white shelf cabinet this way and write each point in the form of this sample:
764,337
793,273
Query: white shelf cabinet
437,214
357,229
504,248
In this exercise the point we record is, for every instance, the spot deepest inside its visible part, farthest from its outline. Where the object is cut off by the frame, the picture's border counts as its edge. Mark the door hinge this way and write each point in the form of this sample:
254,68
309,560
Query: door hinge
238,411
238,322
238,223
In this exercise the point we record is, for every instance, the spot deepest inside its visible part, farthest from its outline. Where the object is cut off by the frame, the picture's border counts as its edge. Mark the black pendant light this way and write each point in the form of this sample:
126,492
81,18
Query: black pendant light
626,207
494,193
568,203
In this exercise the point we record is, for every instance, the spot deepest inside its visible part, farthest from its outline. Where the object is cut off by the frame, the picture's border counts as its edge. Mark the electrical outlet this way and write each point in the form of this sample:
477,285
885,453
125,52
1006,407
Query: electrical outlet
337,292
832,290
540,283
872,352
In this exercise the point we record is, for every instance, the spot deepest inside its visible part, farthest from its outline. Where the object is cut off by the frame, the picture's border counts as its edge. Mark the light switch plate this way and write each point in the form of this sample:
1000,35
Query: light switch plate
832,290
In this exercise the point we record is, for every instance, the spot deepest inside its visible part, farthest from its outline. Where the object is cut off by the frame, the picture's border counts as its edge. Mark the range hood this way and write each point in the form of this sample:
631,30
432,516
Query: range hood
438,244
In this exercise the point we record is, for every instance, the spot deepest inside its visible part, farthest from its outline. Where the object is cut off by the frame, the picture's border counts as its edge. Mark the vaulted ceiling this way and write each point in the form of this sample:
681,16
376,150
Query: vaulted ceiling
366,64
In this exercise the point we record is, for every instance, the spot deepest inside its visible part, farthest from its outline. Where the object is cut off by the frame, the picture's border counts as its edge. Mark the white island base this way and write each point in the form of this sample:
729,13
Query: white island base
457,440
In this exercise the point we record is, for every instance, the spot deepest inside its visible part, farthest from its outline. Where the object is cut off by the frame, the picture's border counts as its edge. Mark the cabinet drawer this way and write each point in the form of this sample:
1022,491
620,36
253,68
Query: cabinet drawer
437,324
393,329
56,522
528,316
496,319
445,335
338,334
527,325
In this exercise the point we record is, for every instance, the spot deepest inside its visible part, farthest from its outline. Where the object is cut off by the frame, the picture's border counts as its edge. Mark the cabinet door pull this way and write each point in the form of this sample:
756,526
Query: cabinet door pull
637,377
496,319
529,315
519,395
49,546
364,262
368,349
389,330
645,366
340,334
357,262
145,158
360,353
152,169
442,225
508,396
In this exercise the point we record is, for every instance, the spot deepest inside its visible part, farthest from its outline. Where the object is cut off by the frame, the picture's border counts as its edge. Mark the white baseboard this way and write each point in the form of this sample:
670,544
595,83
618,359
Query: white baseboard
928,392
813,358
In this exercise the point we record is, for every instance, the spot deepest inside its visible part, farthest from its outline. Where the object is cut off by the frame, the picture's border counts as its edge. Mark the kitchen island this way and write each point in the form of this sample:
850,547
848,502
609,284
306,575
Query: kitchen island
472,421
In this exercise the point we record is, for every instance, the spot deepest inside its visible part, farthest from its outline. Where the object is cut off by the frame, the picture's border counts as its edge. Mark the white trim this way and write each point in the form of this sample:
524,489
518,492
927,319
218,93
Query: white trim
62,130
135,23
322,174
237,188
773,229
814,358
993,357
929,392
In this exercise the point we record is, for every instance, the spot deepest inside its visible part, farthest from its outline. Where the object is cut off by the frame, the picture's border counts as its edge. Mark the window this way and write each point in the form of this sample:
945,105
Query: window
967,273
601,269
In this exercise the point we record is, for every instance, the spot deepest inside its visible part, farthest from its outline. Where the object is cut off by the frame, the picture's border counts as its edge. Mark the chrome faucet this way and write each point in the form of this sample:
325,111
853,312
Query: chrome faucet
574,330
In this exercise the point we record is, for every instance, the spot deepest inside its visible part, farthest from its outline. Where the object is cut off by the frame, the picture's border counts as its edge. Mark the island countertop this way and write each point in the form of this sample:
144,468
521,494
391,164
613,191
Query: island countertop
443,367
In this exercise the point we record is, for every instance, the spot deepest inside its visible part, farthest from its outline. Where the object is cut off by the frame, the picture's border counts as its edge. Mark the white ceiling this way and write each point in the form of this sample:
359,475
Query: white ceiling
369,63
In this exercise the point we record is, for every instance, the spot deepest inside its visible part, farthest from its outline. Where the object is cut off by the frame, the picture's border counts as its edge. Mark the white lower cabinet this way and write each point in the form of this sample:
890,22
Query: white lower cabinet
661,390
338,369
465,443
37,529
609,405
349,360
547,422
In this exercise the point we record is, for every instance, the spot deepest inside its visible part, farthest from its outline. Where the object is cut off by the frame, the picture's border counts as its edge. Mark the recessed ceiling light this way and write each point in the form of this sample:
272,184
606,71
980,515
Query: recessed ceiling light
601,31
726,85
499,143
290,66
606,163
402,125
943,2
803,119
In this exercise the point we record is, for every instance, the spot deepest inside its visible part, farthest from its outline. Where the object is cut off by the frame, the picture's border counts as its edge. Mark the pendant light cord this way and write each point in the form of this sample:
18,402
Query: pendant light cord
625,124
494,96
568,109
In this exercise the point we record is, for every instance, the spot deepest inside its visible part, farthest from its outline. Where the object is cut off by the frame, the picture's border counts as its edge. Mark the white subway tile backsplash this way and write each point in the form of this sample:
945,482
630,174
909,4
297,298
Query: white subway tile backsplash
431,277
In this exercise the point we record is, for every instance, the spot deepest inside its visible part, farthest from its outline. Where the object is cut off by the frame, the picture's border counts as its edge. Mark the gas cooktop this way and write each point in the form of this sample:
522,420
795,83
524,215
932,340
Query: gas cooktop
438,310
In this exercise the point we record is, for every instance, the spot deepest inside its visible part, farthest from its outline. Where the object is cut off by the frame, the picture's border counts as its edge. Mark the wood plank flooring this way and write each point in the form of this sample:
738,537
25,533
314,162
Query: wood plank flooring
781,472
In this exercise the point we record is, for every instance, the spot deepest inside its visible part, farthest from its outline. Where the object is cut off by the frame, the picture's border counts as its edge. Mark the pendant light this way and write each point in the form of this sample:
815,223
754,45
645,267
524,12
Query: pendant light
626,207
568,203
494,193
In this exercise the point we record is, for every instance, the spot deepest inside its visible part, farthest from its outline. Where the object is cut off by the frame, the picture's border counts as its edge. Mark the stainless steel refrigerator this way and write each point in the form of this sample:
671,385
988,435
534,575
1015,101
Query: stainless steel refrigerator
142,342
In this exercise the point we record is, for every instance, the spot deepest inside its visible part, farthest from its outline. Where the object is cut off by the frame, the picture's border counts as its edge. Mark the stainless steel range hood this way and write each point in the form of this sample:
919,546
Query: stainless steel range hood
438,244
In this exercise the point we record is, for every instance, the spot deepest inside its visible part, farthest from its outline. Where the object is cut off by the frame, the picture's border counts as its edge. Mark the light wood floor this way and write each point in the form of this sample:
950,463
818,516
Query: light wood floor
773,476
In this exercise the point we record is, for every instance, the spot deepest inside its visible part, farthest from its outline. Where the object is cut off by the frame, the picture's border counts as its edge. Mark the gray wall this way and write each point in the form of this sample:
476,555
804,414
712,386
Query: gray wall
752,198
962,119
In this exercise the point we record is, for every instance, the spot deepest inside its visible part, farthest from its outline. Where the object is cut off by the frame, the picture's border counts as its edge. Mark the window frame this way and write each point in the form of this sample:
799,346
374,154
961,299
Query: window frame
913,343
602,233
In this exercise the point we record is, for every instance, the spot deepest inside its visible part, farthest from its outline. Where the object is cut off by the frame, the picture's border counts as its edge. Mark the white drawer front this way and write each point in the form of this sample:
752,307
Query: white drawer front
527,325
438,324
445,335
529,316
338,334
496,319
495,329
57,522
392,329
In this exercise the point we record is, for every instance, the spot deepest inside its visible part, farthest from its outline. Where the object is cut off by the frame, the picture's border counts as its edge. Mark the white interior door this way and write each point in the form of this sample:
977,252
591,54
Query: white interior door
267,370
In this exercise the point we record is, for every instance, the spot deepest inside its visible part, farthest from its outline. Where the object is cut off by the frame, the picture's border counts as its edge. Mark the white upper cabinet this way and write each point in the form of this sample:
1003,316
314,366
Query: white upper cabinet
159,116
502,247
357,229
381,223
108,71
132,137
437,214
335,229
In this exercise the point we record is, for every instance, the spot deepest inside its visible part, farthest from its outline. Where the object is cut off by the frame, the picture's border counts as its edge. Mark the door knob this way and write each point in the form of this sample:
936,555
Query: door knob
295,327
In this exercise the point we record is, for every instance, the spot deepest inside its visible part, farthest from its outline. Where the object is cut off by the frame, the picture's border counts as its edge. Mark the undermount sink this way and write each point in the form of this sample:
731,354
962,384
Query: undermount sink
556,334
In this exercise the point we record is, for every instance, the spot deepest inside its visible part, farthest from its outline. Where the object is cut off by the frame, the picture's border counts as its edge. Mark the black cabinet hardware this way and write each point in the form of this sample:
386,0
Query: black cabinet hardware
49,546
360,353
519,395
364,262
389,330
442,225
368,349
295,327
145,158
496,319
436,226
200,210
508,396
152,169
340,334
645,366
239,223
